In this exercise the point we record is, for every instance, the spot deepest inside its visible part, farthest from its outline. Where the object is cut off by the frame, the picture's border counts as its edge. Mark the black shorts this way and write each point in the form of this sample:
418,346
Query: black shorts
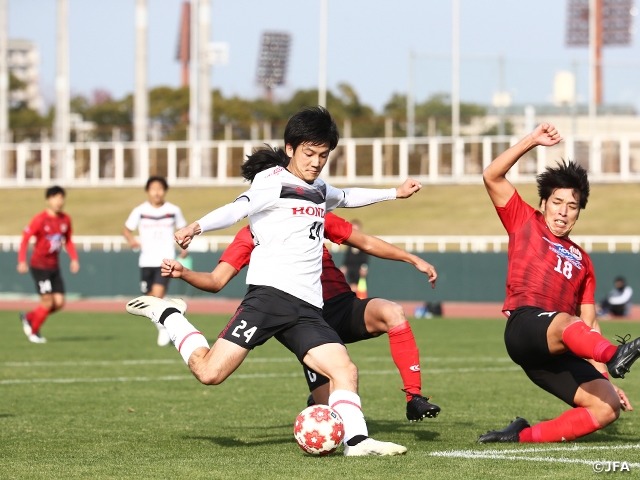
267,312
525,337
47,281
150,276
345,314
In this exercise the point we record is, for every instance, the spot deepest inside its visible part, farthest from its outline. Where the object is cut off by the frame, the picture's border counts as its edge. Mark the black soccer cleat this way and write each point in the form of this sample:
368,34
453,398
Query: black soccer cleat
419,407
511,433
310,401
625,355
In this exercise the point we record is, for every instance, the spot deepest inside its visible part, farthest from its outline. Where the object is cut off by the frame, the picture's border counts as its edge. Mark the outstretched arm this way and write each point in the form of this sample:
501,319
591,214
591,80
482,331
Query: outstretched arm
360,197
499,188
381,249
209,282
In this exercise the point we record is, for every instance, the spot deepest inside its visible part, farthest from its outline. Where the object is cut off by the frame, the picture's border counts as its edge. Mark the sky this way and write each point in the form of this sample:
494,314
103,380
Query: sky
368,47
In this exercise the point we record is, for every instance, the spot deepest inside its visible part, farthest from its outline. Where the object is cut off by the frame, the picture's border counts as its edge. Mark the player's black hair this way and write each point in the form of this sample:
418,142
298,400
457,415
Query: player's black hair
55,190
312,125
620,278
566,174
262,159
156,178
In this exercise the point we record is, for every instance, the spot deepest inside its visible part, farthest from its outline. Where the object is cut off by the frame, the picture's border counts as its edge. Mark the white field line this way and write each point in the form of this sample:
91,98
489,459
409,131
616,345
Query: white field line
16,381
520,454
98,363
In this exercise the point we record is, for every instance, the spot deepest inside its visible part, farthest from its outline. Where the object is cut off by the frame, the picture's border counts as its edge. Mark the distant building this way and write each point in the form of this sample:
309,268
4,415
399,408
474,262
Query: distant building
24,63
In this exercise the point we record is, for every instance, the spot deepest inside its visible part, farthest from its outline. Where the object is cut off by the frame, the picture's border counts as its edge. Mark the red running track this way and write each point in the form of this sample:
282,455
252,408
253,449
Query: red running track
227,306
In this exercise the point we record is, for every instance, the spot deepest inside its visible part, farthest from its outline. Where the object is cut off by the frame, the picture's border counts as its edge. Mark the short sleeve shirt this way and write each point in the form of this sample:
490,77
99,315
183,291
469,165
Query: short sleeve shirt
544,271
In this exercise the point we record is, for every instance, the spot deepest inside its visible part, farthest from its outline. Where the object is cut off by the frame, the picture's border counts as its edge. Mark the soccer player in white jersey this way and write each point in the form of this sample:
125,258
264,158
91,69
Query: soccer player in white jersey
286,208
156,221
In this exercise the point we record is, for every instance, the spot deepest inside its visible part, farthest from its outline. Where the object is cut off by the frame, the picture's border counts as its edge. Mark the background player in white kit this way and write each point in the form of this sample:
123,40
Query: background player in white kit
156,221
286,208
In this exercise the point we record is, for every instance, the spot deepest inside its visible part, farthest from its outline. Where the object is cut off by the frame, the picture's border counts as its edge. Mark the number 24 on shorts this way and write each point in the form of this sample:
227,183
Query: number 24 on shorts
248,334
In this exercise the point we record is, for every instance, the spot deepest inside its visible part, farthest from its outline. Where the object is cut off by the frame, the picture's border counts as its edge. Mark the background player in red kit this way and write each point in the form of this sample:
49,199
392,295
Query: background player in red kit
353,318
50,228
552,326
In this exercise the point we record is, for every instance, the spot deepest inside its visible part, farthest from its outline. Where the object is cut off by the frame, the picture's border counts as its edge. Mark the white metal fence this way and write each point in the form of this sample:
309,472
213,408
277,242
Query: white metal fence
423,243
355,161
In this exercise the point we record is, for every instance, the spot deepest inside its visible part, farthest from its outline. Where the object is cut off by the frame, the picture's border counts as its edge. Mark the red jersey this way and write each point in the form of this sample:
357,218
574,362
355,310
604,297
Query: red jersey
49,232
544,271
336,229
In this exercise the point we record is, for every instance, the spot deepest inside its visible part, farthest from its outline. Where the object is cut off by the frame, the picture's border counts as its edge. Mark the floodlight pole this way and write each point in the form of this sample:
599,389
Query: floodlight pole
194,60
411,102
4,83
141,99
455,72
322,78
593,63
204,94
61,134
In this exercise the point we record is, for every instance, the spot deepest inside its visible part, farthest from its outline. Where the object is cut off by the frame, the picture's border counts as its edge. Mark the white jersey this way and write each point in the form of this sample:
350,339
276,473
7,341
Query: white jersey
286,217
156,227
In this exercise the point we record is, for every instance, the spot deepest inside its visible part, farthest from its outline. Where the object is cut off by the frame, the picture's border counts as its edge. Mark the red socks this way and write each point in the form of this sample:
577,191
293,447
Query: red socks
37,318
404,352
587,343
568,426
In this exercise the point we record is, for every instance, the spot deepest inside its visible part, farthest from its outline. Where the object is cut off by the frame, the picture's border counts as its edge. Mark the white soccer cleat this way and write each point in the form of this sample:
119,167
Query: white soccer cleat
153,307
36,338
26,325
163,336
369,446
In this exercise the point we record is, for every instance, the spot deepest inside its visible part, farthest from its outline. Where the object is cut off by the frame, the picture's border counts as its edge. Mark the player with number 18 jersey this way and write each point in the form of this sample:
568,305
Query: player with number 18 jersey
544,271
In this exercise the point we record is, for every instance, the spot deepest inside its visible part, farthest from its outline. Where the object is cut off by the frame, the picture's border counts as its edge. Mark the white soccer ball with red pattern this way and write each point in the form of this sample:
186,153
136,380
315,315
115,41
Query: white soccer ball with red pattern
318,430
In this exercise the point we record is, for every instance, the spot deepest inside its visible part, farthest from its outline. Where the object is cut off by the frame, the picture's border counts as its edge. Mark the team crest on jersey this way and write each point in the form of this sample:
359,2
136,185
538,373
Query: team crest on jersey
300,190
63,228
559,250
576,252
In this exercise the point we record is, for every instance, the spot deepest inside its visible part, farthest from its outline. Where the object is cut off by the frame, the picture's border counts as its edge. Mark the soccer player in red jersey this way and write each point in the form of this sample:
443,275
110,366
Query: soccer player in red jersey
552,331
353,318
50,228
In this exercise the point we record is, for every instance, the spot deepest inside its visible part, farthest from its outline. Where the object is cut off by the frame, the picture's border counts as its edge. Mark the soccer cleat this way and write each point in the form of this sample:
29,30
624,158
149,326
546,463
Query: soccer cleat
26,324
511,433
419,407
310,401
369,446
163,337
36,338
625,355
153,307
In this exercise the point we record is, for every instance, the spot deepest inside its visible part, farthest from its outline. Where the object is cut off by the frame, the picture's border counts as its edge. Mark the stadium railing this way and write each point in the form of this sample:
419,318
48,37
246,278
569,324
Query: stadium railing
424,243
356,161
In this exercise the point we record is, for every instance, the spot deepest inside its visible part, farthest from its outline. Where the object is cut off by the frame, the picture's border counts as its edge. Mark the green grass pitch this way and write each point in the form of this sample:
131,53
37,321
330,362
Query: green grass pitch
101,400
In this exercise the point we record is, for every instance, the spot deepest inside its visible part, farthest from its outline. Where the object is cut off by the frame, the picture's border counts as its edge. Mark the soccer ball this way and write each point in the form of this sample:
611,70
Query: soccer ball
318,430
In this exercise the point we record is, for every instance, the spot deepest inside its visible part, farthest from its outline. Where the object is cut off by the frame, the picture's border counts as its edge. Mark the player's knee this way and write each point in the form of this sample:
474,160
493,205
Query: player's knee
607,411
208,377
608,414
394,315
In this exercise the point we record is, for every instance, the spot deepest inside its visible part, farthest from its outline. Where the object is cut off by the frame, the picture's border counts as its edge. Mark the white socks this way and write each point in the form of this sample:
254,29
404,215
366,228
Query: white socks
184,336
347,404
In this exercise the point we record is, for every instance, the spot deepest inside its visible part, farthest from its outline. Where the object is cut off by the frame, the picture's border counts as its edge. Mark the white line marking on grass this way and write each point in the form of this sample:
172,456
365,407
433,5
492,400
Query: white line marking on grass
520,454
238,376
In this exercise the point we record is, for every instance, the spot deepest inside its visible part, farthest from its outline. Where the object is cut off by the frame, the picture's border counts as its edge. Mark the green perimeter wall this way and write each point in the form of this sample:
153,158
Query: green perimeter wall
463,277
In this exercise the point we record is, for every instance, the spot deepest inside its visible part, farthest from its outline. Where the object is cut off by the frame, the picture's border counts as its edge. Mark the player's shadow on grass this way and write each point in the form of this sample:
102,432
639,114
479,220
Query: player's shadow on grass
235,442
419,429
101,338
609,434
6,415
